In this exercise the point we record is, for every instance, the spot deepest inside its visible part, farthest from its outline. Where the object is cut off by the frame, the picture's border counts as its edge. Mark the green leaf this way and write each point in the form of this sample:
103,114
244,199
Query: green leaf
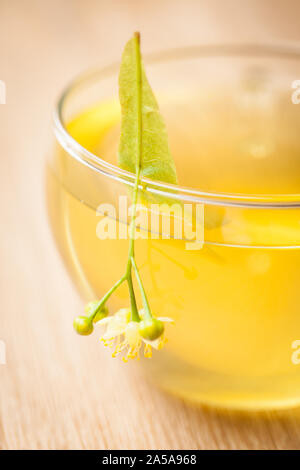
143,148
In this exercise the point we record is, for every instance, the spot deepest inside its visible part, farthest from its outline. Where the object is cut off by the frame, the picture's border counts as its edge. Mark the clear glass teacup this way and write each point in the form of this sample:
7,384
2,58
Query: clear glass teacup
233,131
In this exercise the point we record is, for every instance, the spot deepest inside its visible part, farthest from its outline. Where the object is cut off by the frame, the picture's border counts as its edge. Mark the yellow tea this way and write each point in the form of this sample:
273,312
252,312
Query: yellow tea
235,301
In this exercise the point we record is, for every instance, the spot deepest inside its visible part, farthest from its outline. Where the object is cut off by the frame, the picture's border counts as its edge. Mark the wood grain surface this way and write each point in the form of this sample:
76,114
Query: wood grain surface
56,390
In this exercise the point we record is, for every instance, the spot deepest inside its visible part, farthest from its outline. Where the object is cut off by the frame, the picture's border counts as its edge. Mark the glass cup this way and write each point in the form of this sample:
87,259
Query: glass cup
234,291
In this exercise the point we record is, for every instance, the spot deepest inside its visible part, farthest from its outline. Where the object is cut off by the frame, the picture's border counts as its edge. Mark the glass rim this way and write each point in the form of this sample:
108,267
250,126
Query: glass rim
181,193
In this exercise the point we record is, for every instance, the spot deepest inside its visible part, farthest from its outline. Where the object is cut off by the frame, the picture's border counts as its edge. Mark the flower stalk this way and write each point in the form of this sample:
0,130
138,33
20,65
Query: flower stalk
133,326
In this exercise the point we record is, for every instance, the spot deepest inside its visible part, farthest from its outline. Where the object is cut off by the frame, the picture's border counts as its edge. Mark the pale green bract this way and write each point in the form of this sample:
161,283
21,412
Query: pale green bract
144,140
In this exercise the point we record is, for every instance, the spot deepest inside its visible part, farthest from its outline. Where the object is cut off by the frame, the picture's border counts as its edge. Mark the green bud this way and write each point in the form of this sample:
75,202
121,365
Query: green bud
103,312
90,307
151,328
83,326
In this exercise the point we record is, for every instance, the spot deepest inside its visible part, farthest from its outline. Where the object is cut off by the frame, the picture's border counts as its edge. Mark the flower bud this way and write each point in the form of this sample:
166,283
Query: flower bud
83,326
103,312
90,307
151,328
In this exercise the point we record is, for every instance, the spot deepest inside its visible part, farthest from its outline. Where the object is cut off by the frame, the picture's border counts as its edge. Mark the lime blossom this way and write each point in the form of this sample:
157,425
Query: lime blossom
124,335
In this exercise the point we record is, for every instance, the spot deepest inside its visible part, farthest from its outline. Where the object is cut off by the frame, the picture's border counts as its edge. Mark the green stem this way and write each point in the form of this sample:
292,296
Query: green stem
139,153
146,305
106,297
134,311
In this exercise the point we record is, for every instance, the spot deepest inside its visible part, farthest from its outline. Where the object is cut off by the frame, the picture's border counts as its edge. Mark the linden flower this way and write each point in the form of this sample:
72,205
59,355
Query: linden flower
125,335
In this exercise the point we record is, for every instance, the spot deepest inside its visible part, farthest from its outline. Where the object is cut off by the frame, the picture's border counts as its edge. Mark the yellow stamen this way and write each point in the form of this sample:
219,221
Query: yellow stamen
148,351
161,343
123,335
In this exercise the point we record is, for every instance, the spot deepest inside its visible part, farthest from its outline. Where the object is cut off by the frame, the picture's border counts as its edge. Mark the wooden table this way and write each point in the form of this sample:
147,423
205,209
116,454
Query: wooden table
56,390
